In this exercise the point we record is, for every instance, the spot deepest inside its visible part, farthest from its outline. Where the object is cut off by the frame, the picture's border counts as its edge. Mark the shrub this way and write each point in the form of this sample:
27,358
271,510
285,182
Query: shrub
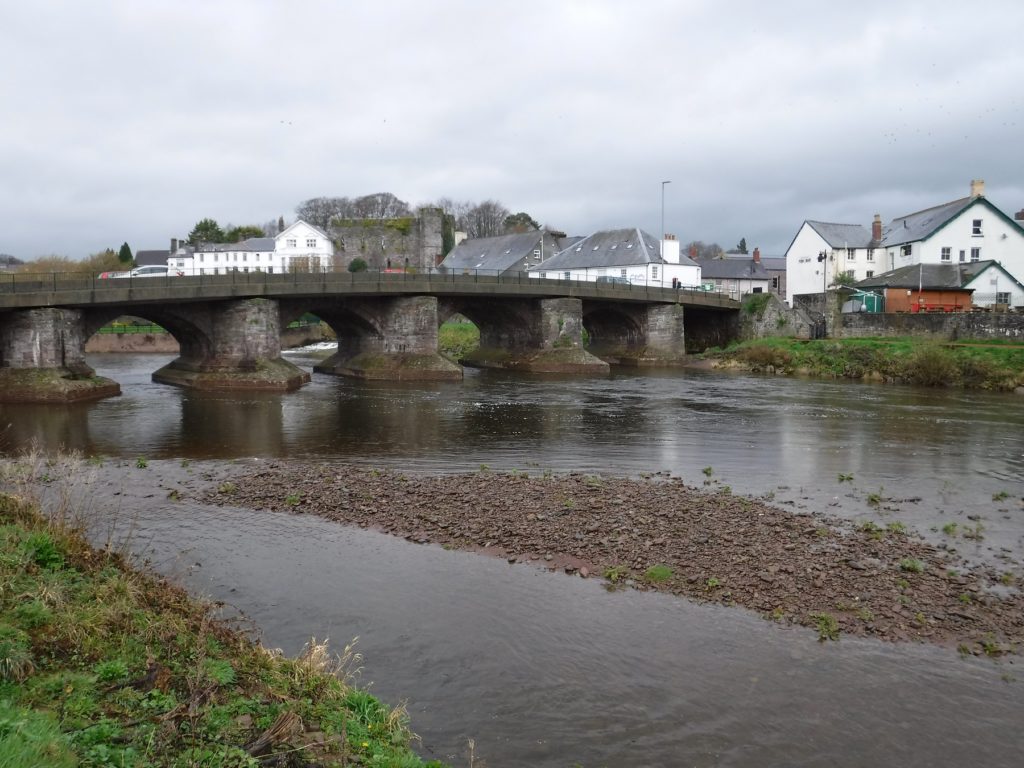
357,265
931,367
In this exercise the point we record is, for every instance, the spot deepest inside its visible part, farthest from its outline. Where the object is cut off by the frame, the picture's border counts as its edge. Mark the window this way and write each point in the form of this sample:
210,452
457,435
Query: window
216,258
543,274
1002,298
622,273
975,254
245,257
536,251
654,273
851,255
963,255
870,273
871,254
775,283
905,250
290,242
200,258
567,275
947,254
976,227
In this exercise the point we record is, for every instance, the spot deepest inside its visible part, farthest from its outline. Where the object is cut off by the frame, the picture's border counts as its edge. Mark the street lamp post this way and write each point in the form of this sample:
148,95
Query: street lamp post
823,259
663,210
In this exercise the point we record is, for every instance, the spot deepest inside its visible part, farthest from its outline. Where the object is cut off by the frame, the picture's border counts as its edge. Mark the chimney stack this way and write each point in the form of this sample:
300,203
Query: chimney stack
757,255
876,229
1019,215
670,249
977,188
174,245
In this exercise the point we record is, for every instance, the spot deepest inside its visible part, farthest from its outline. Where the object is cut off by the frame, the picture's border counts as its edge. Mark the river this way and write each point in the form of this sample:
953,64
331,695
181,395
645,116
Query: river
545,669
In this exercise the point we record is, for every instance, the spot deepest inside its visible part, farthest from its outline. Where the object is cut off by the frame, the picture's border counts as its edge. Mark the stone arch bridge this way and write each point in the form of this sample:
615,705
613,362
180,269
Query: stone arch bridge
228,326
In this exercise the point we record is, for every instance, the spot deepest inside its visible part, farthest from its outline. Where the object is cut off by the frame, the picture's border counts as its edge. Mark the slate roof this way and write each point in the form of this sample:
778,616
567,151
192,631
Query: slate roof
733,269
611,248
928,276
493,253
917,226
842,235
252,244
151,258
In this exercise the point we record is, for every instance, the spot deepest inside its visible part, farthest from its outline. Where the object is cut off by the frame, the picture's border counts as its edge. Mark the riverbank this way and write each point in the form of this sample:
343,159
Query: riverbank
816,571
102,664
971,365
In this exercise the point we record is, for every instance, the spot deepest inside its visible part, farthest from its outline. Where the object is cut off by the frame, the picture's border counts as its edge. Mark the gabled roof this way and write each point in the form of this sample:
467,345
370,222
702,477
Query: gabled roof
972,270
292,226
493,253
842,235
611,248
252,244
928,276
920,225
733,269
151,258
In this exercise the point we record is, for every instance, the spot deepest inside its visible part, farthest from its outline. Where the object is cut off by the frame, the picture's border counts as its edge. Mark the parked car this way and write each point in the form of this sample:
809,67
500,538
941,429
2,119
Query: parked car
613,279
155,270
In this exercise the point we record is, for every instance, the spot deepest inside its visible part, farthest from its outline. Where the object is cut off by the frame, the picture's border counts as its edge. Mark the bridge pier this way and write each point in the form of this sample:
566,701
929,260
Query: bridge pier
394,339
231,346
646,336
539,336
42,359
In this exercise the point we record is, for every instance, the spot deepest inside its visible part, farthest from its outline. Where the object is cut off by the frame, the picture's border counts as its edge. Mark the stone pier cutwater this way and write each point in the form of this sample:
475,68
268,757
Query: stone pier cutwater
392,339
42,359
228,346
535,336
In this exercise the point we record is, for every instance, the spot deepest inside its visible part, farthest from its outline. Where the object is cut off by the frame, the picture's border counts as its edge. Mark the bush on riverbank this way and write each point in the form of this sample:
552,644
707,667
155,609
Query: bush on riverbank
102,665
457,339
974,365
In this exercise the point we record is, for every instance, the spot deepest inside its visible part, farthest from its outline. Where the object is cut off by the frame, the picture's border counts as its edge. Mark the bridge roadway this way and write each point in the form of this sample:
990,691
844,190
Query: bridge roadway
228,326
77,291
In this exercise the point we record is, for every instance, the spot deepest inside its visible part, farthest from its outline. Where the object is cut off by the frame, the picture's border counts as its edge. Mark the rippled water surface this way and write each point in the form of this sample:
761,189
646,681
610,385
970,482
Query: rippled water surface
545,669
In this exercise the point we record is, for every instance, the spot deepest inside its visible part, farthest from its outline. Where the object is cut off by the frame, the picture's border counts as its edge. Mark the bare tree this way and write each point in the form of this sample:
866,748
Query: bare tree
380,205
698,249
320,211
486,219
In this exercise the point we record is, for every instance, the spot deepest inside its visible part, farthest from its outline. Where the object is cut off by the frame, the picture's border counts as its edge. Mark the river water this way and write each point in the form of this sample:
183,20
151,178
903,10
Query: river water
544,669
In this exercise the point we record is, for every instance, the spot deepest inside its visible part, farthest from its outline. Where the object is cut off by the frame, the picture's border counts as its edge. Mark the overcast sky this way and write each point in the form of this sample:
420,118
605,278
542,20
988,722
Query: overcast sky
130,121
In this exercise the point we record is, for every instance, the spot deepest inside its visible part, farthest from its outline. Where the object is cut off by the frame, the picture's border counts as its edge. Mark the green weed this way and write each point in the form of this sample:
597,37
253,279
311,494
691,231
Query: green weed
658,573
911,565
141,462
827,626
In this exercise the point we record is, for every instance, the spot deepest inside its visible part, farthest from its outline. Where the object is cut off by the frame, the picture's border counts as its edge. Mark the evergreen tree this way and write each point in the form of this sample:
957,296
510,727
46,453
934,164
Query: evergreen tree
125,254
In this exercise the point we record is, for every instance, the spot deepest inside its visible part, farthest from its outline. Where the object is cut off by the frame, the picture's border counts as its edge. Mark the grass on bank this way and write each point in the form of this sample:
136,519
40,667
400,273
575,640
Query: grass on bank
103,665
975,365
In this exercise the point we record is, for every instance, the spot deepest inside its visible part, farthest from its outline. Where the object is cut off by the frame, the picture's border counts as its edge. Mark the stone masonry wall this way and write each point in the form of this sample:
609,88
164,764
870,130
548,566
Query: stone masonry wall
940,326
407,242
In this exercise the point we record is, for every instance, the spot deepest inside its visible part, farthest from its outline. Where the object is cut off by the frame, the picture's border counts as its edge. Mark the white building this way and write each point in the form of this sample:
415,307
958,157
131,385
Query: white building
970,229
301,247
622,254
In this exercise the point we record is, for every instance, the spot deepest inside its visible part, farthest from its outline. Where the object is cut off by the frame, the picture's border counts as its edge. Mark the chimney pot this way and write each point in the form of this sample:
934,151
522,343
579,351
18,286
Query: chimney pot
977,187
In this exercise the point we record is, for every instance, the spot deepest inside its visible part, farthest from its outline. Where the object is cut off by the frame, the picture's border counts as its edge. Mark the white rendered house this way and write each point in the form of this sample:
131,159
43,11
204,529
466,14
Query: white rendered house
967,230
300,247
622,254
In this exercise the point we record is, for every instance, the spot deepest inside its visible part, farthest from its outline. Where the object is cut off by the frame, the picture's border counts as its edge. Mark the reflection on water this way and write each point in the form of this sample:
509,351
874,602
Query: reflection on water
549,670
792,438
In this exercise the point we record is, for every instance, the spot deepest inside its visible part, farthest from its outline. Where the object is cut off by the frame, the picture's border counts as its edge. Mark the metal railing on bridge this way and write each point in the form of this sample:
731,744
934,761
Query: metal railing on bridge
36,282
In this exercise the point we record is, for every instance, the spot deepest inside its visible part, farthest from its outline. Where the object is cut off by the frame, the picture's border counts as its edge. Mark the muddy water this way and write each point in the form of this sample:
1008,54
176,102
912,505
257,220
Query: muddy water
545,669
